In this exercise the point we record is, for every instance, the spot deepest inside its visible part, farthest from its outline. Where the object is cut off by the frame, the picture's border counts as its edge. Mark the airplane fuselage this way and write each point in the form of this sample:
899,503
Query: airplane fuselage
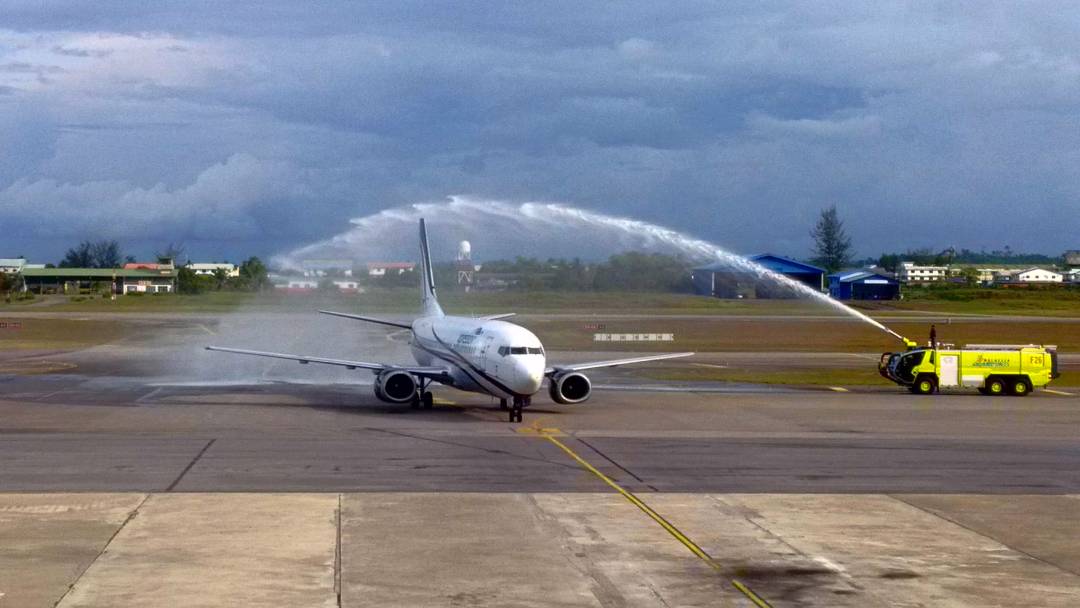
484,356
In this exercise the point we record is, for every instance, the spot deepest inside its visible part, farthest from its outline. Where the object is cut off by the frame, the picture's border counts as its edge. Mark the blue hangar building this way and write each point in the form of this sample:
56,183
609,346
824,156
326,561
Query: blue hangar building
863,284
723,281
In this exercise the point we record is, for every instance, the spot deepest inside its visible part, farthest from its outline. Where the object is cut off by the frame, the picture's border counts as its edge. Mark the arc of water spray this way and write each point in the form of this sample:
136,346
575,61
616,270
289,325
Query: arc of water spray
530,217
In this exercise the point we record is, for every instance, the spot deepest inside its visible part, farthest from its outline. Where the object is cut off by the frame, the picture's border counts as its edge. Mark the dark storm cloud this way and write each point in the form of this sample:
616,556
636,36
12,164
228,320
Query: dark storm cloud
925,125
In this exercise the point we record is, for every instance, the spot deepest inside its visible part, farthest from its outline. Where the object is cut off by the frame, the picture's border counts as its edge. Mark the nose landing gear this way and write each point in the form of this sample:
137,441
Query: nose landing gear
515,410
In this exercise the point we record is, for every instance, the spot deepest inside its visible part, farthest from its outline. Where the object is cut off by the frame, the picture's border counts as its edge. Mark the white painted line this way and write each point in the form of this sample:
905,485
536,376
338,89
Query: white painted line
1050,390
149,395
839,389
710,365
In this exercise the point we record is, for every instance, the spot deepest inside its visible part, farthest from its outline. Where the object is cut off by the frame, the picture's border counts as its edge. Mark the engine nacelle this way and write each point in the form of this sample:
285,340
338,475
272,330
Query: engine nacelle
568,388
395,386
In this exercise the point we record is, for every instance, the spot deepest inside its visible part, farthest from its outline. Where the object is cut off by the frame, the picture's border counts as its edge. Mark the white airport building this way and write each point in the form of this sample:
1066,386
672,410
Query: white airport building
380,269
12,265
1029,276
208,268
327,267
910,272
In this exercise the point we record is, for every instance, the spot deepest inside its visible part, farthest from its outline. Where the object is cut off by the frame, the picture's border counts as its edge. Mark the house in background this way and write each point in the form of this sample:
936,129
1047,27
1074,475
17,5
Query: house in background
208,268
863,284
12,265
910,272
723,280
380,269
1028,277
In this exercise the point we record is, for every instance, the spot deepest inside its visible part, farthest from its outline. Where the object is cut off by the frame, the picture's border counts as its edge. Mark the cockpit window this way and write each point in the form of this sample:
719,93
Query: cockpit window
521,350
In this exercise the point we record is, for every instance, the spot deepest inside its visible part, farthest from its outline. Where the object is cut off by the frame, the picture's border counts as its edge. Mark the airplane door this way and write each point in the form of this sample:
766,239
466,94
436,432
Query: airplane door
950,368
484,348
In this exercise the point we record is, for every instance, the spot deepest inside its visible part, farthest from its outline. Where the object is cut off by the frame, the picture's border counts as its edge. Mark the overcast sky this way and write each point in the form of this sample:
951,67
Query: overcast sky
242,129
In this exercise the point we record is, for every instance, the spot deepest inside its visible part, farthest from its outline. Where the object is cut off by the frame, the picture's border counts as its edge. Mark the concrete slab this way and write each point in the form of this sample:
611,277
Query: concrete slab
48,540
407,549
218,550
766,562
906,556
1036,525
640,563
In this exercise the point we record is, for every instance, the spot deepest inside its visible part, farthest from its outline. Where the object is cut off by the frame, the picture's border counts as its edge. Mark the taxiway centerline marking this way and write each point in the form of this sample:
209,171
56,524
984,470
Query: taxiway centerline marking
664,523
1056,392
839,389
207,330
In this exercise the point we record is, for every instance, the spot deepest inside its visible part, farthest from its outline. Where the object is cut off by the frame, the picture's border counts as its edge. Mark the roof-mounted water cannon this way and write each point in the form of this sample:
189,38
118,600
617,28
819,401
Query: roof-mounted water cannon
908,343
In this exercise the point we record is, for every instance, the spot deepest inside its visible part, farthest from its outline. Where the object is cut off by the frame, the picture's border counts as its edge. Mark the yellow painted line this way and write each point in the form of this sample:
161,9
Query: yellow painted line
207,330
839,389
34,366
665,524
1050,390
544,432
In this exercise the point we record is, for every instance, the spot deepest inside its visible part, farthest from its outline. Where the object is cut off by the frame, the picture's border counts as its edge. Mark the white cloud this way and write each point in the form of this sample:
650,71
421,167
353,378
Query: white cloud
855,126
217,204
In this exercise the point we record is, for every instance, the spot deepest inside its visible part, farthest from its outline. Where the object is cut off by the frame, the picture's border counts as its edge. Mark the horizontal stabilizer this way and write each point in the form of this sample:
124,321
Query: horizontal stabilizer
367,319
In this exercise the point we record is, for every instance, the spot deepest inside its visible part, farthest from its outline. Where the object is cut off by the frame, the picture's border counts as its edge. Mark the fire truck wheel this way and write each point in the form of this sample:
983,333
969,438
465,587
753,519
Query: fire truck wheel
1020,387
995,386
924,385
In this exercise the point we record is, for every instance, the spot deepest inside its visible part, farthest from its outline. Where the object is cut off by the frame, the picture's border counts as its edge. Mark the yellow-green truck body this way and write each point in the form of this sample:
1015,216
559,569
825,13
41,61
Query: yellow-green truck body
992,369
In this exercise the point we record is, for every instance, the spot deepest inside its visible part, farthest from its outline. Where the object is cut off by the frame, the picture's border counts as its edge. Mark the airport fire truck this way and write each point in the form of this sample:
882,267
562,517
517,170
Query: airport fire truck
994,369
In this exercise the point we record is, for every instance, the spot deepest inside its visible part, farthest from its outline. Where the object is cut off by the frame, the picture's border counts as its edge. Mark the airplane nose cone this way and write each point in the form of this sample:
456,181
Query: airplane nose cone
530,375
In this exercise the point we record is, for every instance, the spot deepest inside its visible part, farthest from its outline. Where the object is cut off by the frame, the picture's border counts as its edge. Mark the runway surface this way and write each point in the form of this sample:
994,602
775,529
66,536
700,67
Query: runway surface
64,433
150,475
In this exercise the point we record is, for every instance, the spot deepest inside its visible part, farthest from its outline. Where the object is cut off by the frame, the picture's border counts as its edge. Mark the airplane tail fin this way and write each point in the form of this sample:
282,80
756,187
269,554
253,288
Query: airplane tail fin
427,277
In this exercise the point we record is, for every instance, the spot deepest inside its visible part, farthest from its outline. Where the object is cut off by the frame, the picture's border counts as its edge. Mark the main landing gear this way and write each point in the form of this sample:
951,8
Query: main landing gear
423,398
515,410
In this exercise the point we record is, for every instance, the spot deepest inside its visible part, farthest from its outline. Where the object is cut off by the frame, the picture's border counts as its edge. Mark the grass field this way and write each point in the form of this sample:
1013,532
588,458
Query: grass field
955,301
59,334
792,334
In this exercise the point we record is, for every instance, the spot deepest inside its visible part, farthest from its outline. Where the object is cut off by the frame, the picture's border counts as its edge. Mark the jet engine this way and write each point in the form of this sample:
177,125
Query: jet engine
571,387
395,386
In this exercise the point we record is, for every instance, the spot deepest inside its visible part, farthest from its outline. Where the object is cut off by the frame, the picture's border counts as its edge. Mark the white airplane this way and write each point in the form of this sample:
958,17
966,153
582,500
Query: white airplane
481,355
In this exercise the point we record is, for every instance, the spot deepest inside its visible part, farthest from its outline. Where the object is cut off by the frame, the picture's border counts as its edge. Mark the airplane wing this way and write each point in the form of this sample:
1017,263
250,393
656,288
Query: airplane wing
426,372
577,367
368,319
505,315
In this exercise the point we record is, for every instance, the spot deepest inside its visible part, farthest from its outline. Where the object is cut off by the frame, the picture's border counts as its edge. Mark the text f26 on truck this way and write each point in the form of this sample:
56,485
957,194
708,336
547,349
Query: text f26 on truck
993,369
